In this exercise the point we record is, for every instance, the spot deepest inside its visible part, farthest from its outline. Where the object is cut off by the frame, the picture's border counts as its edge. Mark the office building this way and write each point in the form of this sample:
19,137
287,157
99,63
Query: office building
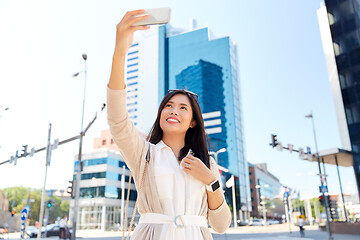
339,23
102,200
265,191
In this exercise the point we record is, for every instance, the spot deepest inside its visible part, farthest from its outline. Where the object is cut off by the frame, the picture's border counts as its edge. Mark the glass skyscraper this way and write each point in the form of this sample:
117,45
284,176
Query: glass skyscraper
339,24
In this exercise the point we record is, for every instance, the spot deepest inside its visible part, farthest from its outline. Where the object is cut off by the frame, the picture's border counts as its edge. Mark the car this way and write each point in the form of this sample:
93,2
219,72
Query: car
31,231
3,231
242,223
51,230
272,221
257,222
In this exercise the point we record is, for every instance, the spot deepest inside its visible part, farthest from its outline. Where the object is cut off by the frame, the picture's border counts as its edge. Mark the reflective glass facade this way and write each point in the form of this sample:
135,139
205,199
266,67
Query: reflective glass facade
208,67
107,160
344,20
105,191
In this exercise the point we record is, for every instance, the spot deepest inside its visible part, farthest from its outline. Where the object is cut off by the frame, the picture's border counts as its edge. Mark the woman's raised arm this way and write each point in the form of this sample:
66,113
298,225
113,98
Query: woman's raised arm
122,129
124,38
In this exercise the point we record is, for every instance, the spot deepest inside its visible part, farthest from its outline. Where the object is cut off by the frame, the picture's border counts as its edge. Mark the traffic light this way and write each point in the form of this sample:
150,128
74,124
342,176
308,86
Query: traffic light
49,203
12,213
24,151
70,188
274,141
322,200
333,209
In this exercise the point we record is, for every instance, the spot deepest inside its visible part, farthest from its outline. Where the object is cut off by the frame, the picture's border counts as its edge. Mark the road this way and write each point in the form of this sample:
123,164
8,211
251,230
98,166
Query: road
273,232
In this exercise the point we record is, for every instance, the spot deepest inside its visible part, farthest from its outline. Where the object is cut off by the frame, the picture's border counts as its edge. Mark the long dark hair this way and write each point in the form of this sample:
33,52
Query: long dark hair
195,138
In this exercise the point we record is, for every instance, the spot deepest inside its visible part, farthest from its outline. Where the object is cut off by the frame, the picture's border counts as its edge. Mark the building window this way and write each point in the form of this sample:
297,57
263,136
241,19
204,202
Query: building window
86,176
103,142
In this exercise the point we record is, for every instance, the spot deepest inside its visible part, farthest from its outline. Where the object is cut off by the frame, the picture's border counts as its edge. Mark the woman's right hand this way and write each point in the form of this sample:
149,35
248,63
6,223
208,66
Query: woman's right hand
125,30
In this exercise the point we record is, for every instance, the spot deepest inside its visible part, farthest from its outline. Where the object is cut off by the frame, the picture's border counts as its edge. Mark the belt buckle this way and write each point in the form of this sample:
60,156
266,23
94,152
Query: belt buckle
179,225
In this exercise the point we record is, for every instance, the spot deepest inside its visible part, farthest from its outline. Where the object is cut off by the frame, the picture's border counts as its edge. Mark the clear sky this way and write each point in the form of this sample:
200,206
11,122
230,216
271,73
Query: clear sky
282,72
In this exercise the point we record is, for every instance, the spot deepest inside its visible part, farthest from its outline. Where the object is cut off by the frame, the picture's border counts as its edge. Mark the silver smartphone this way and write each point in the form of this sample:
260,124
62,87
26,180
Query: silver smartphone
157,16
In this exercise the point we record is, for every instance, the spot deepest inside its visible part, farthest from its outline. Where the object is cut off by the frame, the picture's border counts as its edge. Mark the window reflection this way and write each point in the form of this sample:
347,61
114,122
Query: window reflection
105,191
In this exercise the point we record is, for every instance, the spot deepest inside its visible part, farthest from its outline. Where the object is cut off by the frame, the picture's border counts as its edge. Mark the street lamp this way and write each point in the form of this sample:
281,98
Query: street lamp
5,109
217,153
262,202
80,166
321,176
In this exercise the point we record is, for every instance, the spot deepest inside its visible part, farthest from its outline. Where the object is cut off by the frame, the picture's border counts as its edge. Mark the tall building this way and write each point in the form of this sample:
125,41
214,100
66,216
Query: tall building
164,58
339,23
265,190
102,192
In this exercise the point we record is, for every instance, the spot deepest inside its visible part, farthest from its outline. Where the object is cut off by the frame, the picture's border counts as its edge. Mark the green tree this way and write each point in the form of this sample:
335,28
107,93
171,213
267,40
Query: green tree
65,206
34,206
59,208
20,196
16,195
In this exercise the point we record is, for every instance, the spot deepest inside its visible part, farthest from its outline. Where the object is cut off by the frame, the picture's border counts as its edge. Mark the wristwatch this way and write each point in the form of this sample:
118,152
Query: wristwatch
212,187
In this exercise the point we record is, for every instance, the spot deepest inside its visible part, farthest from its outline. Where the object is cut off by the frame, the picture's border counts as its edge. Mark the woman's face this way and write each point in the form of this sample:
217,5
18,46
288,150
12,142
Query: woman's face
176,116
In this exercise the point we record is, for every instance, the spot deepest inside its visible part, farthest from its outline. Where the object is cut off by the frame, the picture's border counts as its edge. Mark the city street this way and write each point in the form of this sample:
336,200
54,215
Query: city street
272,232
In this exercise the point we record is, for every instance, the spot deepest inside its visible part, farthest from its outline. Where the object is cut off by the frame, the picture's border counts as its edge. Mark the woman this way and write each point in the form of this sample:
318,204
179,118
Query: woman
181,190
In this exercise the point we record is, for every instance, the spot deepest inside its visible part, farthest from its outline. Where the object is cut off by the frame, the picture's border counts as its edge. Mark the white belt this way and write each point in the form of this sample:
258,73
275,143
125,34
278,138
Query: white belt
179,221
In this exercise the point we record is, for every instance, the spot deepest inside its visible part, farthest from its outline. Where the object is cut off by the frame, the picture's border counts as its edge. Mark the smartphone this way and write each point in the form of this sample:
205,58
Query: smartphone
157,16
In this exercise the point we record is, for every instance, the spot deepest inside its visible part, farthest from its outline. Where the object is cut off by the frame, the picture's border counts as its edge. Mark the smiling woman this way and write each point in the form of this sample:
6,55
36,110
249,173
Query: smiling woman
178,182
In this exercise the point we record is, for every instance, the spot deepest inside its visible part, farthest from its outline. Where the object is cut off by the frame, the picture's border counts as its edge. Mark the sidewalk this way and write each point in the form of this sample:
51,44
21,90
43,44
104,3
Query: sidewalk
272,232
279,232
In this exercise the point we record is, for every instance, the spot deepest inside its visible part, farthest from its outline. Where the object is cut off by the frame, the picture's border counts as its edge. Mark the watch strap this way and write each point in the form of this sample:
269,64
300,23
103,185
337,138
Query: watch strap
213,186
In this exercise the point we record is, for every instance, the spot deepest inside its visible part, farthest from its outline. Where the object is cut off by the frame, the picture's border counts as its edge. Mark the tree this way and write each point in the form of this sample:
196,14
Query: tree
34,206
16,195
65,206
59,208
20,196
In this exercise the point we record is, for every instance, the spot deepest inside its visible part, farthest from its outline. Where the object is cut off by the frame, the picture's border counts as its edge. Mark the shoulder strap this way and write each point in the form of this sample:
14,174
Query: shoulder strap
138,195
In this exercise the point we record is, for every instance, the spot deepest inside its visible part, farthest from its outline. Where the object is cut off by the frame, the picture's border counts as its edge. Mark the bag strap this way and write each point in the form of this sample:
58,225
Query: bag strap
138,195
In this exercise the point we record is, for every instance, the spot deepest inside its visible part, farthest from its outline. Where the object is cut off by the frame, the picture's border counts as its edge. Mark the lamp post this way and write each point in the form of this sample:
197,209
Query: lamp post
262,202
5,109
321,177
217,153
233,181
80,166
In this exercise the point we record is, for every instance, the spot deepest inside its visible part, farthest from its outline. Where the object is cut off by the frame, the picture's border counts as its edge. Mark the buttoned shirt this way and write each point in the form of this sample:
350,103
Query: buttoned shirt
179,192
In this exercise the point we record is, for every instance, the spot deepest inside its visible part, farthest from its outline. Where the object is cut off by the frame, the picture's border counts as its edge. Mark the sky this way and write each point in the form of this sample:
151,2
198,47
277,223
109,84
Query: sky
282,73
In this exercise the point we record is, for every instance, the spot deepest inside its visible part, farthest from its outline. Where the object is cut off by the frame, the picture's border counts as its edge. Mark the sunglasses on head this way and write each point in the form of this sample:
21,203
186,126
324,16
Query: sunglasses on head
189,93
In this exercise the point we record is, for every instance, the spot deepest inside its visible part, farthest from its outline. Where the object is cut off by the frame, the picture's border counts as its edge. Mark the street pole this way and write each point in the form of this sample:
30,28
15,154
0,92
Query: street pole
286,205
321,182
80,166
46,220
264,212
234,202
48,155
122,198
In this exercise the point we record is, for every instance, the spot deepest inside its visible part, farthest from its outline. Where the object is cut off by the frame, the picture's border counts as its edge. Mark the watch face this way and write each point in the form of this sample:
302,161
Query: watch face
215,186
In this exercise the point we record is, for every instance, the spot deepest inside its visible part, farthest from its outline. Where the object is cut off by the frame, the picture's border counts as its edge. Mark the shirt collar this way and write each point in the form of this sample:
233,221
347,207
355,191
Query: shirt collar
160,145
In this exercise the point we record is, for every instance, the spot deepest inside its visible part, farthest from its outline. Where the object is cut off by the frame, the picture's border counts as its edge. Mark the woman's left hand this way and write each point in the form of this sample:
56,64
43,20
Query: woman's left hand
196,168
